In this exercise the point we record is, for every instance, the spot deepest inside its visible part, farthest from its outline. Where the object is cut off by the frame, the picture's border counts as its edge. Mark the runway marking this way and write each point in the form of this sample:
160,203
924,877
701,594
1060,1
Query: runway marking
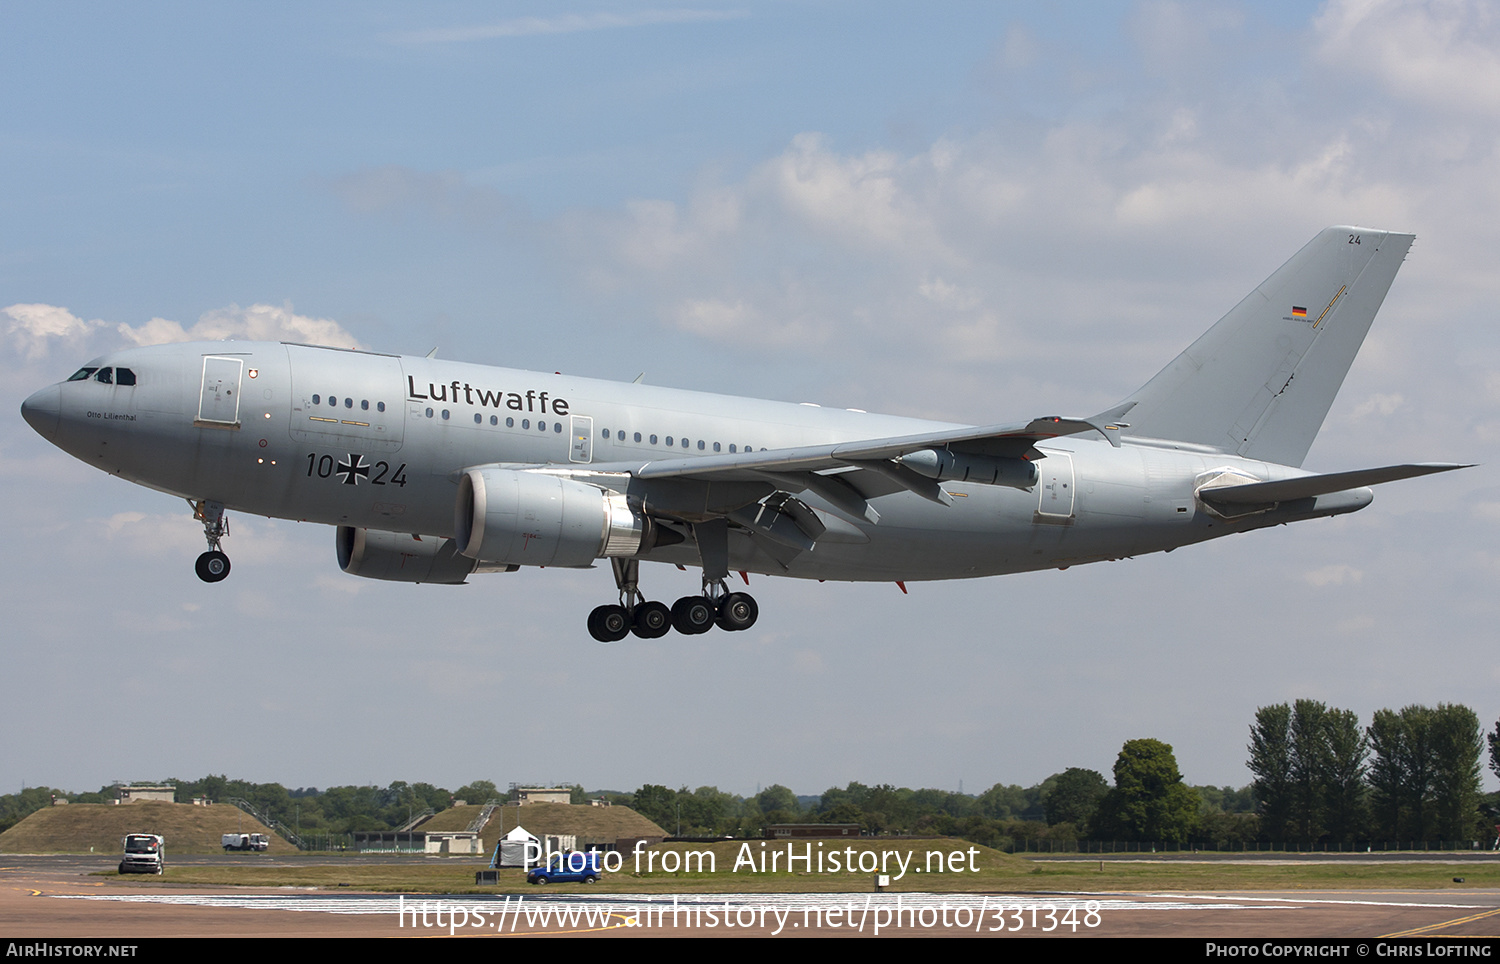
1418,931
388,904
1329,900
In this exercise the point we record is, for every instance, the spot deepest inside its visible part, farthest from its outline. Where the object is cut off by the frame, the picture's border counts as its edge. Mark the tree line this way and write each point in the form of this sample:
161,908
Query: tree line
1412,775
1319,777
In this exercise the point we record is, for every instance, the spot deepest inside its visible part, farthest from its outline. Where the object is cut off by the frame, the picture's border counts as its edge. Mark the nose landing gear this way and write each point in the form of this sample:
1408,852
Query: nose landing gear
213,565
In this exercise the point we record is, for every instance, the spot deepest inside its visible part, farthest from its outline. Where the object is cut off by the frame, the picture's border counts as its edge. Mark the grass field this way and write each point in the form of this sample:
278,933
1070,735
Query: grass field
996,872
99,828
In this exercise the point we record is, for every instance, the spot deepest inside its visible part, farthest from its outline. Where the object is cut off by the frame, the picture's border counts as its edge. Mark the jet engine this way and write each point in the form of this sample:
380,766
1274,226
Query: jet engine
402,557
535,519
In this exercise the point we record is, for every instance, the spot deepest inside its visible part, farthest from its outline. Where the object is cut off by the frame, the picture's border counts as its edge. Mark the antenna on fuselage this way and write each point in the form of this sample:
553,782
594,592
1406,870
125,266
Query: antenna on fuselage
637,379
433,353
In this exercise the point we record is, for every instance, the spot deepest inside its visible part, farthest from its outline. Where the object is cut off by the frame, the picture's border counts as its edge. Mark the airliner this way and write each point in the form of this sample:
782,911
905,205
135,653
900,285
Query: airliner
433,471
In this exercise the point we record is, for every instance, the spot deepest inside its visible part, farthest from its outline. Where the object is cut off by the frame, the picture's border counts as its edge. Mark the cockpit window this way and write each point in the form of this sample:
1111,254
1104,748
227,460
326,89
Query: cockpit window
124,376
81,374
106,375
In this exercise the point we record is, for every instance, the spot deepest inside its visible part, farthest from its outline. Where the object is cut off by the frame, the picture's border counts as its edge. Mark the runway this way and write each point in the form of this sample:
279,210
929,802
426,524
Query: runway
55,898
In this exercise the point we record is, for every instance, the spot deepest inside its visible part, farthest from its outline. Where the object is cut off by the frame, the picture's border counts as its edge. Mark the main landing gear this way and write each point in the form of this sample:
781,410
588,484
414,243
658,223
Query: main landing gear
213,565
690,615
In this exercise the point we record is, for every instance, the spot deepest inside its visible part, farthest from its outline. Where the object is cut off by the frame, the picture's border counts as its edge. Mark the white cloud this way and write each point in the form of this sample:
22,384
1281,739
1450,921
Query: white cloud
32,329
944,253
255,323
1441,54
1335,575
946,295
1385,404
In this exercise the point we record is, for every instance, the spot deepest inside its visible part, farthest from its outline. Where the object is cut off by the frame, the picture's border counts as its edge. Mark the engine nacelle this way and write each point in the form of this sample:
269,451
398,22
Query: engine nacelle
946,466
402,557
534,519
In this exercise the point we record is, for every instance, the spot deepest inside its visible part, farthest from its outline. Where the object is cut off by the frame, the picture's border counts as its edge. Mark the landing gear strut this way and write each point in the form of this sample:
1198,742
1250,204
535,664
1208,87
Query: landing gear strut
213,565
690,615
648,620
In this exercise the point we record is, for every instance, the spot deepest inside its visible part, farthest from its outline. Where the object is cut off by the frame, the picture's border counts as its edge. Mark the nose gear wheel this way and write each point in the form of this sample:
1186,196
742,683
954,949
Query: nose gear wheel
213,565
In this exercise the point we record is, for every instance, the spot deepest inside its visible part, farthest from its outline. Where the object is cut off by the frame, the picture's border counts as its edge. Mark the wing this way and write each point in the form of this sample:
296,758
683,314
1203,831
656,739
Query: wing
848,474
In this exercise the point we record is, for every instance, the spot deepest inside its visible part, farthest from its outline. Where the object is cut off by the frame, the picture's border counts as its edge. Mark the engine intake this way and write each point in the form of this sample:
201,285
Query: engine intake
534,519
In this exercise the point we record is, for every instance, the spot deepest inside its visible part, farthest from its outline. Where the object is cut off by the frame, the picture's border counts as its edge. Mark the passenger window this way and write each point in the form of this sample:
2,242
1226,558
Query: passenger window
429,413
669,441
494,420
731,448
124,376
653,440
348,403
82,374
106,375
317,399
684,443
620,436
445,414
380,406
637,436
364,404
606,435
557,427
510,423
478,419
700,445
716,446
526,423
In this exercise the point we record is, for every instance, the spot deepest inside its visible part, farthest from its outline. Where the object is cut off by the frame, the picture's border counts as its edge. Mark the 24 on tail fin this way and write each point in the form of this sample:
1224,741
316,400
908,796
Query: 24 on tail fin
1260,382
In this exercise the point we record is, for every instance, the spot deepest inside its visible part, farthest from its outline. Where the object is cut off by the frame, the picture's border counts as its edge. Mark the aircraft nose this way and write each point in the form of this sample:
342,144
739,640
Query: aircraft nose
43,410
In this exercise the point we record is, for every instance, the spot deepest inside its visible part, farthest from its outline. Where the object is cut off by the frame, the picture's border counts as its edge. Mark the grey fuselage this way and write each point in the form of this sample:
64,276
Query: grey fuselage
377,441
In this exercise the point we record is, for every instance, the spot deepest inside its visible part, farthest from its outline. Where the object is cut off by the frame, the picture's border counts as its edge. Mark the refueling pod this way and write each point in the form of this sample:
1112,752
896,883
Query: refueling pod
946,466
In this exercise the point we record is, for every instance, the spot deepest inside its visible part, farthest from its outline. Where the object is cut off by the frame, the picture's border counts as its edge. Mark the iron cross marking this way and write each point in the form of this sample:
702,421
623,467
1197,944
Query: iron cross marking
352,469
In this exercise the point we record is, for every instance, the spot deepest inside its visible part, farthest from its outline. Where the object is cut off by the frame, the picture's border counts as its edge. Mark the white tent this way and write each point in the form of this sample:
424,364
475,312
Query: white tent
511,851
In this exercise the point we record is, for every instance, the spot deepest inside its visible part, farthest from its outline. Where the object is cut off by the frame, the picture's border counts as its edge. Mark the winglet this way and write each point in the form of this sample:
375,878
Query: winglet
1108,422
1105,423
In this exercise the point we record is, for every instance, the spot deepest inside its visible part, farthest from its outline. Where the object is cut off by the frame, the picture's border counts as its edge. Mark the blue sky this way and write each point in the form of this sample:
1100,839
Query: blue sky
977,212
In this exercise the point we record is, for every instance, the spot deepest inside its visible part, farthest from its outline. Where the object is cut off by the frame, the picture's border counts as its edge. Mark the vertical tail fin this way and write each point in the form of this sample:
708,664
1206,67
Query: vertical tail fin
1260,382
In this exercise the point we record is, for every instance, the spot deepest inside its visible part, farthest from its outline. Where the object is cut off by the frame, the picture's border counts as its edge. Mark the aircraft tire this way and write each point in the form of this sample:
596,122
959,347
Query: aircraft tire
609,624
212,566
737,611
692,615
653,620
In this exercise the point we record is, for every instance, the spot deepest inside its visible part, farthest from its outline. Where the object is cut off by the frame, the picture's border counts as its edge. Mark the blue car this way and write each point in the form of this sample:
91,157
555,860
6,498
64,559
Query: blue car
570,867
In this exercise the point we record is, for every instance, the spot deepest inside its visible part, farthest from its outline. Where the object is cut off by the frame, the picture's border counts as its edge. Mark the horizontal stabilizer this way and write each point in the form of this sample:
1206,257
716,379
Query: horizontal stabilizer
1307,486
